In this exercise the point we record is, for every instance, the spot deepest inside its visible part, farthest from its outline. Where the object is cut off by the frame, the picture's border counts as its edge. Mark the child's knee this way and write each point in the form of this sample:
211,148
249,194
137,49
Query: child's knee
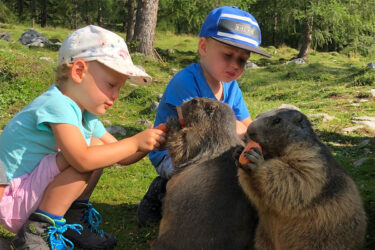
61,162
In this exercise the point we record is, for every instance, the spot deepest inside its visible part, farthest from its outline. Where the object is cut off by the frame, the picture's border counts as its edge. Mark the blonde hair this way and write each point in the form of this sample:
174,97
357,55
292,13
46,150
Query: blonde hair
62,73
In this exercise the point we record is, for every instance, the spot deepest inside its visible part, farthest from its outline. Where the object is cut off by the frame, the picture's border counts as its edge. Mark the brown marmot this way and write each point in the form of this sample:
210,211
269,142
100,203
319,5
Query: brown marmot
204,206
304,197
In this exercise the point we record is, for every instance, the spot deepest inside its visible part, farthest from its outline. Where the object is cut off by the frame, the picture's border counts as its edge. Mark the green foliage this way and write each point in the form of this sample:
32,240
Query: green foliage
324,85
6,15
337,24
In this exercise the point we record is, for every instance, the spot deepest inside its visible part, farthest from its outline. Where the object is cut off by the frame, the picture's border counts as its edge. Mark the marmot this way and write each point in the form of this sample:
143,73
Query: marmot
304,197
204,206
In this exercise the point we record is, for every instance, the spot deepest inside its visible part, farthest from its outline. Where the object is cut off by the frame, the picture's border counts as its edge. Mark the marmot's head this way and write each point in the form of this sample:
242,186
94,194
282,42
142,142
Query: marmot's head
278,128
209,114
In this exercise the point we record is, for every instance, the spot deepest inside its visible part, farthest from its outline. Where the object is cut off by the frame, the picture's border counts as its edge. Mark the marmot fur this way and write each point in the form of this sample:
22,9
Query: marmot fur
304,197
204,206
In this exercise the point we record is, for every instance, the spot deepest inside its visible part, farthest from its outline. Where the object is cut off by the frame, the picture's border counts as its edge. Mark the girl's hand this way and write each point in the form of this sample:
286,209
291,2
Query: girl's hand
150,139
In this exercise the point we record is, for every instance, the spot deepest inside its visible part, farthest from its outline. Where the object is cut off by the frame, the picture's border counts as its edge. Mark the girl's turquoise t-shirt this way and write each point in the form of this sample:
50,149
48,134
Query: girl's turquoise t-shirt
27,138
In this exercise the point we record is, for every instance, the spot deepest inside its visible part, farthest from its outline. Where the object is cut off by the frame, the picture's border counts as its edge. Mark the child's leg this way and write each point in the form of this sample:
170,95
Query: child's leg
149,209
82,212
64,189
95,176
58,185
91,184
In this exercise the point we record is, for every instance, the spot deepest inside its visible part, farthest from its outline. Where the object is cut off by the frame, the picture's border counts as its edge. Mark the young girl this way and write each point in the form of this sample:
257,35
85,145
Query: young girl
54,150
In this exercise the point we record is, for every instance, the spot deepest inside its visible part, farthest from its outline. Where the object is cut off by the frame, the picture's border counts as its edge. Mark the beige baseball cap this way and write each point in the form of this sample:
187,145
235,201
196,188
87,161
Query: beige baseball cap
95,43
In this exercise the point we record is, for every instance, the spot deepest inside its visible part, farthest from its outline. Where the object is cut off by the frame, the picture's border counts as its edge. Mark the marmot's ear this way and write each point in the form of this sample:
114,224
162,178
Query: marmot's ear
298,118
210,109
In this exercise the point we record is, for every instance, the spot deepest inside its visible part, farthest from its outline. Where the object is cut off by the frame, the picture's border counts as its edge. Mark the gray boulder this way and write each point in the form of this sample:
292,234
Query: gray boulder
5,36
371,65
296,61
33,38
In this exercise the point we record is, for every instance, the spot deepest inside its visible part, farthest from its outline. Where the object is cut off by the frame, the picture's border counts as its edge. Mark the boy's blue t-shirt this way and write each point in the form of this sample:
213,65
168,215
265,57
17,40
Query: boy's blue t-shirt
27,138
190,83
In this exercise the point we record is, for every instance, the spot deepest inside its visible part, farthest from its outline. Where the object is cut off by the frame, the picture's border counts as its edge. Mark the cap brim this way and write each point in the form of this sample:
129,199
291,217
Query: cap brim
136,74
243,46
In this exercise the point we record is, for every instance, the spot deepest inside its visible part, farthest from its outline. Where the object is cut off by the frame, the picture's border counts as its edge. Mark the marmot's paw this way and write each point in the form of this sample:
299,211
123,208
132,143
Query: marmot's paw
255,156
173,124
237,152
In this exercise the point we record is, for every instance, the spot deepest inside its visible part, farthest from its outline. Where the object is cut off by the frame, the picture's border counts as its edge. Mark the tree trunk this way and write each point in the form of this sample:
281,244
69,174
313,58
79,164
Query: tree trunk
20,8
75,14
275,23
130,20
33,11
100,13
43,14
86,17
145,26
307,38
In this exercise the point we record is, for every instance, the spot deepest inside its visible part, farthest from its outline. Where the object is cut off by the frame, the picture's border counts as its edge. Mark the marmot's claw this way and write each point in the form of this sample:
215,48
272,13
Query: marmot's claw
237,152
255,156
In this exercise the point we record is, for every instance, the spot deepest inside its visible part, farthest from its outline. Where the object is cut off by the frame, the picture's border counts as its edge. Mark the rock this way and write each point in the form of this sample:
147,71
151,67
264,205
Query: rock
296,61
326,117
159,96
250,65
154,106
171,51
365,120
107,122
33,38
372,91
5,36
364,143
116,130
173,71
145,123
46,59
288,106
351,129
359,162
367,151
371,65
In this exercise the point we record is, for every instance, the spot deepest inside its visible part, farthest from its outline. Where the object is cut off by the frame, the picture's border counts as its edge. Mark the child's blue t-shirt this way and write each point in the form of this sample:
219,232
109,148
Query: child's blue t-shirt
190,83
27,138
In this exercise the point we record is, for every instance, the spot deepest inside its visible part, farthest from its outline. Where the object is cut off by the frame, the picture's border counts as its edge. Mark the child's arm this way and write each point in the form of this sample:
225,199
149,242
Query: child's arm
108,138
85,158
241,127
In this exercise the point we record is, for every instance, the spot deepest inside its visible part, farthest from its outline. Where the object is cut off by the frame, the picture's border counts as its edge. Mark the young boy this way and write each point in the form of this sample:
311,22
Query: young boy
54,149
227,37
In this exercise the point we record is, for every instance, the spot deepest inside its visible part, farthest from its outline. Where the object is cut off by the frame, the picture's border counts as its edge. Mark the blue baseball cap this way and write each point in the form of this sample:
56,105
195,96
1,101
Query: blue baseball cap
235,27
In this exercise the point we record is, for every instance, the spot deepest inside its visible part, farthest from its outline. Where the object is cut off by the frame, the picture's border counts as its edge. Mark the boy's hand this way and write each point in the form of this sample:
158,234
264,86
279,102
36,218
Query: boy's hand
150,139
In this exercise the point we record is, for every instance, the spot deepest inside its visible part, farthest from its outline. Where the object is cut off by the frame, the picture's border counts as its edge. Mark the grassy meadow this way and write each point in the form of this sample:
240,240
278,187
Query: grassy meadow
331,83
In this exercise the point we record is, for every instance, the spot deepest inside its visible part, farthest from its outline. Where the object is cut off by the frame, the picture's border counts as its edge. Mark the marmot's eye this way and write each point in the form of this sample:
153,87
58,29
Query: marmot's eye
194,101
276,120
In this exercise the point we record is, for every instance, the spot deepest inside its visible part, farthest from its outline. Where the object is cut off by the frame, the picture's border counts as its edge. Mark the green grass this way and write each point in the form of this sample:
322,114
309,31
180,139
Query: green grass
329,83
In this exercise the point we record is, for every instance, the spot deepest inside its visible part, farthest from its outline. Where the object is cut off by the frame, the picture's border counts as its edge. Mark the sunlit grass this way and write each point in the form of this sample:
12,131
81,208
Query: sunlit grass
329,83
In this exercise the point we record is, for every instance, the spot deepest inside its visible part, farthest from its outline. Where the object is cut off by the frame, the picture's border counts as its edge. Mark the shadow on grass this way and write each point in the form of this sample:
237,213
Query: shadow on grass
364,175
121,221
